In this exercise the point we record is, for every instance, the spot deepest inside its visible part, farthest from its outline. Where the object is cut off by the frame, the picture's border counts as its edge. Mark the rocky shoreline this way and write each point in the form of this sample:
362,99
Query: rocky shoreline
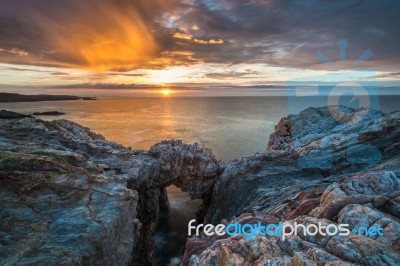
273,186
70,197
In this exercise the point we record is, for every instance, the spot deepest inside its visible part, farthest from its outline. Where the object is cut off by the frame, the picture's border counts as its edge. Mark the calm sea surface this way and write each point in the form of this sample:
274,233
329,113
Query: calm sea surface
232,127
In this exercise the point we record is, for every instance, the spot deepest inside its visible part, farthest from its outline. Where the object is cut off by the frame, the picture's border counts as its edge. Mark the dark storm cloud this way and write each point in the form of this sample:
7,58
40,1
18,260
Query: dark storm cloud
290,33
123,35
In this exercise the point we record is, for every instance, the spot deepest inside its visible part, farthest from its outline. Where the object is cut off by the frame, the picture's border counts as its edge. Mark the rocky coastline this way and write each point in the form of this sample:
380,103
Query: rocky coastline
70,197
274,186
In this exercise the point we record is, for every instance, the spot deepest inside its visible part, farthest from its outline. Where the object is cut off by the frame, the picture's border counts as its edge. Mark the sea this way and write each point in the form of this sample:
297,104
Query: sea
232,127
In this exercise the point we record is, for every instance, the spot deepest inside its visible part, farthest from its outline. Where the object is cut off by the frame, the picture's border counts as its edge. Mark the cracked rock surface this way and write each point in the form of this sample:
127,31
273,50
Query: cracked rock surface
359,188
68,196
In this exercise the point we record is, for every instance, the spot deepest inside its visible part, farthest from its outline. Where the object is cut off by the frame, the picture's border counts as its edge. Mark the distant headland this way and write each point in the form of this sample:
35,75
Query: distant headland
15,97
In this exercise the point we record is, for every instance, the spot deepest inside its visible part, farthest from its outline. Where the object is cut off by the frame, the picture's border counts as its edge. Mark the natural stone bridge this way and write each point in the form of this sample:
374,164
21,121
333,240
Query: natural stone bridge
66,192
191,168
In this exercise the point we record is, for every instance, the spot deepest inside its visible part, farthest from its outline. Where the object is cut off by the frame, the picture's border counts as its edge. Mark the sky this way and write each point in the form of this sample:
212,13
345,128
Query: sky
193,46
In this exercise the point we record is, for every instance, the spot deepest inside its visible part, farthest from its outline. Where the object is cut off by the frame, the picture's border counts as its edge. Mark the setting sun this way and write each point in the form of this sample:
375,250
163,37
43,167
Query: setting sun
166,92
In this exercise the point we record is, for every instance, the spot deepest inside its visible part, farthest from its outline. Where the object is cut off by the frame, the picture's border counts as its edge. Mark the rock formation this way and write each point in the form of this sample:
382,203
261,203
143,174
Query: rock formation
70,197
357,183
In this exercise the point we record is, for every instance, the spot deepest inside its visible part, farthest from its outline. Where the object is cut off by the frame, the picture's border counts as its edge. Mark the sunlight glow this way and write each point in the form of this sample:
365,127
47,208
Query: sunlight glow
166,92
165,76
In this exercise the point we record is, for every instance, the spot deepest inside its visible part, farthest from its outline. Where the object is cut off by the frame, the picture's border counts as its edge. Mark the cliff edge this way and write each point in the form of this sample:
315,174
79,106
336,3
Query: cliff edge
68,196
321,166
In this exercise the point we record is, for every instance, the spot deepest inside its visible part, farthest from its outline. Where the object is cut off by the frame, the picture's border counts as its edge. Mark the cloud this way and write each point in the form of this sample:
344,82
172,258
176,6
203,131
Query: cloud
98,35
388,75
116,86
127,74
59,74
14,51
234,74
289,33
188,37
123,35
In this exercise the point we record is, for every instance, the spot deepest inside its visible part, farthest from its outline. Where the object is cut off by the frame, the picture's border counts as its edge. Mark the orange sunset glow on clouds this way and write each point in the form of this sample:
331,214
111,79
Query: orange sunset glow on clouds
186,43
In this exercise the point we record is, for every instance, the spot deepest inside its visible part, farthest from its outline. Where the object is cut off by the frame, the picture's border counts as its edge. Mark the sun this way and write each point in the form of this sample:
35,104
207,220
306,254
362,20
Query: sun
166,92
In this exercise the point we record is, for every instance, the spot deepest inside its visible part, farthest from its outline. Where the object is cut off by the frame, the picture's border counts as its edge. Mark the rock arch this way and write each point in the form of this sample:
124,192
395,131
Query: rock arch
190,167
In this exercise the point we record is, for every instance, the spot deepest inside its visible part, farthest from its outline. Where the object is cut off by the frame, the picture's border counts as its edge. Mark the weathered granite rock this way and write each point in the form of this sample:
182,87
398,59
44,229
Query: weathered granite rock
263,181
375,188
58,207
70,197
357,182
190,167
353,249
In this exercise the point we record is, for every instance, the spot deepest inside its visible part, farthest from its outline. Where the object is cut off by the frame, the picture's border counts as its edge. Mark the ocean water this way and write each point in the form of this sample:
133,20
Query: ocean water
232,127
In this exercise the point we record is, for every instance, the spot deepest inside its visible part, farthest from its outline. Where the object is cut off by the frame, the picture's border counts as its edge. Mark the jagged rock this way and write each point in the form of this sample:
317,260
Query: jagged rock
310,250
190,167
58,206
356,187
55,213
374,188
68,196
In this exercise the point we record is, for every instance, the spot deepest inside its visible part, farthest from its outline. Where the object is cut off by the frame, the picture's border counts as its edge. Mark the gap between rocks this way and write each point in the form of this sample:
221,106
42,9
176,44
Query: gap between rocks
191,168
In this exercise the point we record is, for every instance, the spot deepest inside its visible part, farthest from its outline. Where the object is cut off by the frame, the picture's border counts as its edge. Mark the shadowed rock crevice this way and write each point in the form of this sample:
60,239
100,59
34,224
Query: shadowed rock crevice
191,168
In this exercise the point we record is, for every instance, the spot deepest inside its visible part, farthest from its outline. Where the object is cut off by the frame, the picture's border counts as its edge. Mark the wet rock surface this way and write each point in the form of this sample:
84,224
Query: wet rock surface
355,187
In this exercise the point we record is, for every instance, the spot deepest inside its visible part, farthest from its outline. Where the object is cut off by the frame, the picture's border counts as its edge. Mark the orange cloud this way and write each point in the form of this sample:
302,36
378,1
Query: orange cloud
15,51
183,36
91,34
219,41
190,37
101,38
